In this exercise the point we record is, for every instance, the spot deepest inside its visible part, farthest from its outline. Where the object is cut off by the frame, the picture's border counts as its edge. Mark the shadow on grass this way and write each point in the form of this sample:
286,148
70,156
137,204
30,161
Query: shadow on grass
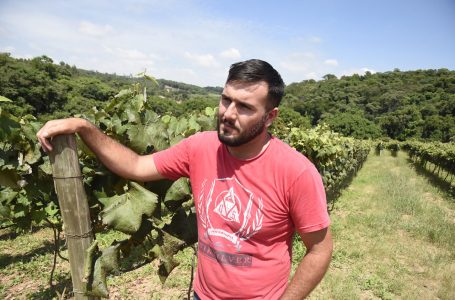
6,260
8,233
446,187
63,286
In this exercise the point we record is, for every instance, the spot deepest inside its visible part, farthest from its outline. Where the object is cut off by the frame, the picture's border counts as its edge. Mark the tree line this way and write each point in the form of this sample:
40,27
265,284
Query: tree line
47,90
399,105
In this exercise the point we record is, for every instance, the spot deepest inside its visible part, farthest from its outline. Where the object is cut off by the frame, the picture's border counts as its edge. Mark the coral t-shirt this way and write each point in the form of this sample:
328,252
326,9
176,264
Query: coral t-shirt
247,212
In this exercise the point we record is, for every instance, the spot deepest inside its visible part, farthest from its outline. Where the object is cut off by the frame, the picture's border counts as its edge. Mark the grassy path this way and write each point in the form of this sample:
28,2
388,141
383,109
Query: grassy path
394,236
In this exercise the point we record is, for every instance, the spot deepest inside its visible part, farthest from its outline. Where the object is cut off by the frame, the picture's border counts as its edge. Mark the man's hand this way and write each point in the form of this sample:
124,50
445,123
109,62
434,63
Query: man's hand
115,156
57,127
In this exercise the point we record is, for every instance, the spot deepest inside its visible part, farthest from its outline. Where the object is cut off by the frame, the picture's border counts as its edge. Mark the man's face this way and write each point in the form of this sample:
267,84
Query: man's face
242,114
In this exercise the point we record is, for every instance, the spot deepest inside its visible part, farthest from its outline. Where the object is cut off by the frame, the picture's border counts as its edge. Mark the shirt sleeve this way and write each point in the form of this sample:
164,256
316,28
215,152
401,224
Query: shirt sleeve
174,162
308,204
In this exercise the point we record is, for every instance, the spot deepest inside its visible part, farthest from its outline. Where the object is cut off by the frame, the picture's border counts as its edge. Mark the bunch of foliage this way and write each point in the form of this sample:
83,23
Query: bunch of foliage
25,175
441,155
47,90
159,223
399,105
393,146
159,217
337,158
379,146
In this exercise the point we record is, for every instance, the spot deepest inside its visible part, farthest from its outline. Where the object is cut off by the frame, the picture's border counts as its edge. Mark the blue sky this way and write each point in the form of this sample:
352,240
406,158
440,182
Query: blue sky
195,41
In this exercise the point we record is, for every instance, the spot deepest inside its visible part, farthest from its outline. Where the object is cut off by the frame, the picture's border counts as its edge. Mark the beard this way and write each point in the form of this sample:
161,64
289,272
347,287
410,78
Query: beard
243,137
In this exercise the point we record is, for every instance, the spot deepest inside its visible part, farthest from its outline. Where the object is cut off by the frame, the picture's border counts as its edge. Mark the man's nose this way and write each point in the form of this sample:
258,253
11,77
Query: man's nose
231,112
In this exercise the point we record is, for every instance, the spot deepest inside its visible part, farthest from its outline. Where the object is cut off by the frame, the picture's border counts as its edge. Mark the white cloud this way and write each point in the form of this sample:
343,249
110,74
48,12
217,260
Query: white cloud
8,49
299,62
205,60
231,53
131,54
307,65
169,43
331,62
311,75
95,30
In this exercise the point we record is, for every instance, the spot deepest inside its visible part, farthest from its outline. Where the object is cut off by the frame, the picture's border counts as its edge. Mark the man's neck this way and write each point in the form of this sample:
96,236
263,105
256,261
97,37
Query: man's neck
251,149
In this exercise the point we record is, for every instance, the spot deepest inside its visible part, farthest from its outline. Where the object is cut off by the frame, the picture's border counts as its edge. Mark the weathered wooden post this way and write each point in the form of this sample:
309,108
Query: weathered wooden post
73,206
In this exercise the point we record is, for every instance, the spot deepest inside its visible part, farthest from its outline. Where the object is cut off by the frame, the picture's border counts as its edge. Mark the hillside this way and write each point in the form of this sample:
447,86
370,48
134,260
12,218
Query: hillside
401,105
40,87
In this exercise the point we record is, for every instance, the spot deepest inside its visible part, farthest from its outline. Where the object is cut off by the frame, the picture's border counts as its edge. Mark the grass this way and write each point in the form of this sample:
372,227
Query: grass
26,263
394,236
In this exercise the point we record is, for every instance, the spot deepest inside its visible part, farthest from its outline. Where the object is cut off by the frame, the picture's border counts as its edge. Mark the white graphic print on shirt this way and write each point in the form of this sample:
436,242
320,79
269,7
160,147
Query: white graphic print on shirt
229,213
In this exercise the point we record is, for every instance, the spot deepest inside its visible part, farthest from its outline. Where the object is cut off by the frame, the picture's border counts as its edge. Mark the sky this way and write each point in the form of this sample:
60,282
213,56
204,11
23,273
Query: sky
195,41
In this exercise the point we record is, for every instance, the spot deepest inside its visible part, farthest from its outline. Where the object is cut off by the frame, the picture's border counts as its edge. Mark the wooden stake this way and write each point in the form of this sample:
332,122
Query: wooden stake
73,206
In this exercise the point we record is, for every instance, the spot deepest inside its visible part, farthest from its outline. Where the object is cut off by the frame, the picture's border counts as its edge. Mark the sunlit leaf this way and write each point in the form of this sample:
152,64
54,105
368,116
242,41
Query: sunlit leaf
124,213
4,99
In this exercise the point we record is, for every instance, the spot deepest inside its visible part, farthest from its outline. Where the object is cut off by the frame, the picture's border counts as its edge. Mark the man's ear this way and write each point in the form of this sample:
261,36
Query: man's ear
271,116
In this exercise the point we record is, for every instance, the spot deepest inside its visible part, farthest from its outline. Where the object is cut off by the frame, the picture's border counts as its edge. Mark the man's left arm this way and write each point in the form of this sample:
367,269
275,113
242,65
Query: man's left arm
313,265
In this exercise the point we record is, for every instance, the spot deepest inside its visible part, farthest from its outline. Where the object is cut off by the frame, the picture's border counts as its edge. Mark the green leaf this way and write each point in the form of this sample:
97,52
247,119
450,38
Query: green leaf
4,99
32,154
150,117
141,137
209,111
124,213
181,126
137,103
175,140
46,166
9,178
131,115
107,263
166,119
5,212
170,246
122,93
6,195
193,124
183,226
51,209
177,193
9,126
38,216
152,79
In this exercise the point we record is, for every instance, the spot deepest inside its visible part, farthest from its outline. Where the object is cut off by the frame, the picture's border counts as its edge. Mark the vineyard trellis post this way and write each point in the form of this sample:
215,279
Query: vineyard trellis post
74,207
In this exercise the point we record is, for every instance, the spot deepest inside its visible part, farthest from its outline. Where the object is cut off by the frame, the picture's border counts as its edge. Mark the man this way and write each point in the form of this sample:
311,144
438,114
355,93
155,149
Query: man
251,191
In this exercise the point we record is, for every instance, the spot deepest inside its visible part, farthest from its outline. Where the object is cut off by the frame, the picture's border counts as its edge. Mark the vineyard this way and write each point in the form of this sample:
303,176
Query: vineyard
440,155
158,217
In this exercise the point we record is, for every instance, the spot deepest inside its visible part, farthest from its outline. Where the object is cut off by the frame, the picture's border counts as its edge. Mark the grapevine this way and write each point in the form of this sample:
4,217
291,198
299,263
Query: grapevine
159,217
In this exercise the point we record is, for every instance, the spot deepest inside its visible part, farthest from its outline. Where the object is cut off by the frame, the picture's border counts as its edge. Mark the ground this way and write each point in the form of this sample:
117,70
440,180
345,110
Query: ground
394,237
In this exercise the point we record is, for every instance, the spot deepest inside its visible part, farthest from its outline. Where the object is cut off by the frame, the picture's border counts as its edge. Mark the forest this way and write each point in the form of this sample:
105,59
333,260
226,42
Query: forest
399,105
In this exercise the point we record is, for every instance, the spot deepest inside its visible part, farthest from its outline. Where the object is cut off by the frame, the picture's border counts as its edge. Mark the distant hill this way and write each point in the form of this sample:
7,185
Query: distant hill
401,105
40,87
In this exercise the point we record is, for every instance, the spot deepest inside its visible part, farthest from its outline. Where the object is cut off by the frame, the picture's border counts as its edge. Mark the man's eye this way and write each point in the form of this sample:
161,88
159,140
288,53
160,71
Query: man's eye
243,106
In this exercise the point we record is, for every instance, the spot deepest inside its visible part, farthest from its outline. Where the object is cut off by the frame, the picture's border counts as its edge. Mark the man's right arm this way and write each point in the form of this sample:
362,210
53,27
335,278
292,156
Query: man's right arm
115,156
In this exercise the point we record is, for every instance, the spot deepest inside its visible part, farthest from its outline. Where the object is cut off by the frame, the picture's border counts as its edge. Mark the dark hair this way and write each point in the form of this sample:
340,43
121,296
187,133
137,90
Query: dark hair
255,70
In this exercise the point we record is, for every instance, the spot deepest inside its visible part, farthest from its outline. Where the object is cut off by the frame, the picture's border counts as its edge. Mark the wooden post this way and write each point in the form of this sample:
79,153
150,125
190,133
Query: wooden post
73,206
